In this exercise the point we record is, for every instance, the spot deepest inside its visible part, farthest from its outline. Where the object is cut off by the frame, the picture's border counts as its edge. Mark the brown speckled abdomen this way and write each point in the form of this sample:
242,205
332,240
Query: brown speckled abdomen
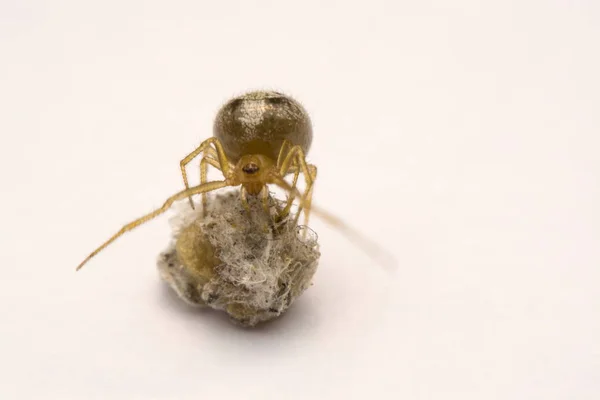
258,123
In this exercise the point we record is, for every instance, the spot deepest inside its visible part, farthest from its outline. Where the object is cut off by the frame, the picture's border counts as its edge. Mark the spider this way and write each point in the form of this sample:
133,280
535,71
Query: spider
258,139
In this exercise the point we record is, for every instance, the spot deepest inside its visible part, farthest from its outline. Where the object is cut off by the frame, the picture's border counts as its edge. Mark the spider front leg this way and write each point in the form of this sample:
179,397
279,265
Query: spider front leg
206,187
204,146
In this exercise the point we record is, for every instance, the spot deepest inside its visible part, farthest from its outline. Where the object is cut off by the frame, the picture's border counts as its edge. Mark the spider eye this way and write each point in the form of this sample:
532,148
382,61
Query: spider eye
250,168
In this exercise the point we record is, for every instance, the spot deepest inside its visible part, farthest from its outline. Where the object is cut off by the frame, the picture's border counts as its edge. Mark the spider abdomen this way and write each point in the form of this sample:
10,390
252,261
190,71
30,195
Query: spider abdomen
258,122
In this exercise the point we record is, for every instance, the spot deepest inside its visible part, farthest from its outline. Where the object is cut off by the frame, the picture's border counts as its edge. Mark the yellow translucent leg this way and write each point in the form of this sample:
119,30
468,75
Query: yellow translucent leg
206,159
378,254
296,154
244,196
264,193
204,146
207,187
285,146
308,195
285,170
294,168
290,200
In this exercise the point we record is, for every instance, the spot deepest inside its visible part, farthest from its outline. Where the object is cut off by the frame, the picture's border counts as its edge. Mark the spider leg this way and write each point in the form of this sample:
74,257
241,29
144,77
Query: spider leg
296,155
308,195
211,152
285,146
377,253
264,194
290,198
244,197
208,158
207,187
296,170
222,158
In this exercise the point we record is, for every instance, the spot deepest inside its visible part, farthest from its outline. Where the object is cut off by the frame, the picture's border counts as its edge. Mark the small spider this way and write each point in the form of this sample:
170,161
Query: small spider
259,138
250,132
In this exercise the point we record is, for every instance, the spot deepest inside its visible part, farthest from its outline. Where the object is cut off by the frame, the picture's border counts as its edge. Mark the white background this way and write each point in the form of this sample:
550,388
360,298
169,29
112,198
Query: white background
461,135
